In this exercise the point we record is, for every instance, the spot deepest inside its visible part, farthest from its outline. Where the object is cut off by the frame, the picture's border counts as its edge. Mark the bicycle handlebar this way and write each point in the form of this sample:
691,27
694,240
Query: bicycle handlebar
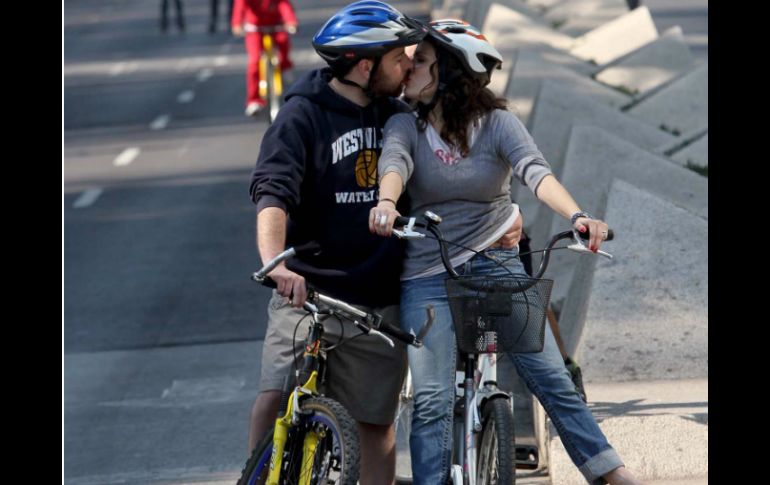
433,220
372,323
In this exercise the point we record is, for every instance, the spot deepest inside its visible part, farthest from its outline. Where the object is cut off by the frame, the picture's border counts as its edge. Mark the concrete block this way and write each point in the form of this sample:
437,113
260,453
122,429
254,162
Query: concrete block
695,154
578,17
530,70
678,107
595,159
619,37
651,66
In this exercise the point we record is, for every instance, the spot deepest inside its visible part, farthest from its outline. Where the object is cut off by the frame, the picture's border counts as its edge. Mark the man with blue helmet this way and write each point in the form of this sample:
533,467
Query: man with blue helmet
316,180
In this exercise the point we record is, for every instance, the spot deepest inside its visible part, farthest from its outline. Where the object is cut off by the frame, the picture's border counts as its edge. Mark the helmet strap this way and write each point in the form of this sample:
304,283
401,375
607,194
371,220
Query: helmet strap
367,89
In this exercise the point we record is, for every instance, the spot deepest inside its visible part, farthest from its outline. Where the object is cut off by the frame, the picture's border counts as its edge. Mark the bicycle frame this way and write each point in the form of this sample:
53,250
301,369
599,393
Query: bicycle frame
268,55
270,76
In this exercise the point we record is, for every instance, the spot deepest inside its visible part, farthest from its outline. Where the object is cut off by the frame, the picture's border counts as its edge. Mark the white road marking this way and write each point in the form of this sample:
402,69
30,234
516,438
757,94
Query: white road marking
87,198
127,156
221,61
160,122
117,68
186,96
205,74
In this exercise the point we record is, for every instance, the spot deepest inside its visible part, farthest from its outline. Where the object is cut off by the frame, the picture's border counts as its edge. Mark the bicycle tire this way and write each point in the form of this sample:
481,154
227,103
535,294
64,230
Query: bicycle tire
337,458
259,461
497,449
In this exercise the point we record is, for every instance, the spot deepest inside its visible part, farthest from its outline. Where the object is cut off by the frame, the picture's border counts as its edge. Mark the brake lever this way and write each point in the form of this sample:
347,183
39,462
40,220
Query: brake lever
579,247
371,331
408,232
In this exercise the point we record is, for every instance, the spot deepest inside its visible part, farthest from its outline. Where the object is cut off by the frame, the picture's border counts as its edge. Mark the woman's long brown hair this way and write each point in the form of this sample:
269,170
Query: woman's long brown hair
463,100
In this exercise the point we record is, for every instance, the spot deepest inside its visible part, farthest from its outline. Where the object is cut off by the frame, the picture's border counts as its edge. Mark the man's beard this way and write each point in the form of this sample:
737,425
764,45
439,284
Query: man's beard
381,86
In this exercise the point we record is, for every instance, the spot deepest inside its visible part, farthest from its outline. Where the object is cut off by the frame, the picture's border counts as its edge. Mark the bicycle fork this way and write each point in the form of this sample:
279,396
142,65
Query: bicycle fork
483,378
464,471
292,417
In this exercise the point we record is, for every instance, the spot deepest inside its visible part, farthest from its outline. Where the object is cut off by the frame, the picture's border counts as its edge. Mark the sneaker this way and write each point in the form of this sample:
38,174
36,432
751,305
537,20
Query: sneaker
253,109
577,377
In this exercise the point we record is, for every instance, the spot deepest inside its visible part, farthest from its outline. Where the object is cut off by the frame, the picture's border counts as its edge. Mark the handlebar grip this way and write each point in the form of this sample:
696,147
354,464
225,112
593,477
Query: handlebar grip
269,282
396,332
587,234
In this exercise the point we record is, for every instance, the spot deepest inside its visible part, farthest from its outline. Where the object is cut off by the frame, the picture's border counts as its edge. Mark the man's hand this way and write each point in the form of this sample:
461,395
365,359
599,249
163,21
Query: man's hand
290,28
290,284
511,238
238,30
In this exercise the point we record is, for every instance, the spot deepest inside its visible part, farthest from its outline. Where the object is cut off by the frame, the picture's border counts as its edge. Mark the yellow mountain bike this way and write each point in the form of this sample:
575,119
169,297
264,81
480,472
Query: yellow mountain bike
315,440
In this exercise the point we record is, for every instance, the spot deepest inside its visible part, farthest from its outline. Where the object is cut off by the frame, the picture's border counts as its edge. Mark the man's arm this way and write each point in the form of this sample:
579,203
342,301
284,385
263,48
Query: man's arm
271,241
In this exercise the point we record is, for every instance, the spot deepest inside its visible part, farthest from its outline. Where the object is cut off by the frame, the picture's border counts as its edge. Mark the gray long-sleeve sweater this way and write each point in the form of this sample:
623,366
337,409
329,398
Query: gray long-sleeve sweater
473,196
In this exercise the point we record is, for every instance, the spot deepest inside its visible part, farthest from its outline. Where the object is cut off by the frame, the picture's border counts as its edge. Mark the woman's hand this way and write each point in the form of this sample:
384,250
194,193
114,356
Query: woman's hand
597,230
382,217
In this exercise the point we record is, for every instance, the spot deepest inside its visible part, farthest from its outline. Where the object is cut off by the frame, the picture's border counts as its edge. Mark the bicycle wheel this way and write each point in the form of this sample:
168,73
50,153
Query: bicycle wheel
336,457
497,452
255,471
403,426
335,460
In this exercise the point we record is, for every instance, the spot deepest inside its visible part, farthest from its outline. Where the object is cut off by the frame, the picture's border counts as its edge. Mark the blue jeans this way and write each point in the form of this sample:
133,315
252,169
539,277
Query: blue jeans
433,375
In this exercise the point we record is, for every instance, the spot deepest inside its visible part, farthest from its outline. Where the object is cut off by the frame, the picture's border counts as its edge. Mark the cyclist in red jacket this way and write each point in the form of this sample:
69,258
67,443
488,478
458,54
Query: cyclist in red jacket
248,16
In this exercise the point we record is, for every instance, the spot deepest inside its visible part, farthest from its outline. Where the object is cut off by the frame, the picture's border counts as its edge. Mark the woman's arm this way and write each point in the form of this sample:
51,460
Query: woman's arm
555,196
382,217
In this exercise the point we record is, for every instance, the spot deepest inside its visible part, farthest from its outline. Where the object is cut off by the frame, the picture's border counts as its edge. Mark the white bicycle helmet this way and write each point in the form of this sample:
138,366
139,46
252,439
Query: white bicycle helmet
466,41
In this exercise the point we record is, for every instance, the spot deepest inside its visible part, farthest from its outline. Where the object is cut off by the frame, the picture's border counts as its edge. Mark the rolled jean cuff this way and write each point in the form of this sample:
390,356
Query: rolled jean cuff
599,465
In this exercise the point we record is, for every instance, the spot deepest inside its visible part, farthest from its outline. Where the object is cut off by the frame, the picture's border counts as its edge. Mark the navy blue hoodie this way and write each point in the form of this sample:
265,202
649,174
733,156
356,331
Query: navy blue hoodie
318,162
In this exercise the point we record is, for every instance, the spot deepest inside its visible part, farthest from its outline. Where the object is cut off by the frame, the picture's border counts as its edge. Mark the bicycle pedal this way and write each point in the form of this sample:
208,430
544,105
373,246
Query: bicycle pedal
527,457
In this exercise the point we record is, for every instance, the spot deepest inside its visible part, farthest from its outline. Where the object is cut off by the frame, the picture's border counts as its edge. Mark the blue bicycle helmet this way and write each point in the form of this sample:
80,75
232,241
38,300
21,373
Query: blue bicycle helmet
365,29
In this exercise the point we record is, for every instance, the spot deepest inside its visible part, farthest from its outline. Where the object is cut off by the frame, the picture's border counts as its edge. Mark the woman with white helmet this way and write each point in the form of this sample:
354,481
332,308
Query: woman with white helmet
456,158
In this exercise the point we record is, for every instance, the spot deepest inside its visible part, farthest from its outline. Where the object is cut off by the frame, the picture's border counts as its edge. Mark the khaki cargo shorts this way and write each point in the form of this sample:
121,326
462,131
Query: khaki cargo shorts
364,374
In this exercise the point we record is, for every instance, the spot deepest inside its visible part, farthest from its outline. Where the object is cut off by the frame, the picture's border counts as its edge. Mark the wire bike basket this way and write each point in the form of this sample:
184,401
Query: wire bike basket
498,313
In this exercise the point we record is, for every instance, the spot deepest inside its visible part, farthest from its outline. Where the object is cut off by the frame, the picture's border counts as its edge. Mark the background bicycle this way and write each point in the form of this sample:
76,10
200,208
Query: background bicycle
271,79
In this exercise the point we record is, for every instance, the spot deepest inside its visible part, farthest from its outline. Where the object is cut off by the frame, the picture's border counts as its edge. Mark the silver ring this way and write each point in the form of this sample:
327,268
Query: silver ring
383,219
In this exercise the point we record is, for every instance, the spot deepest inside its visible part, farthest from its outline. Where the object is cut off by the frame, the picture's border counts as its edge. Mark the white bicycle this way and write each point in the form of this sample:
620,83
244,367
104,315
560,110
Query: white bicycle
491,315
